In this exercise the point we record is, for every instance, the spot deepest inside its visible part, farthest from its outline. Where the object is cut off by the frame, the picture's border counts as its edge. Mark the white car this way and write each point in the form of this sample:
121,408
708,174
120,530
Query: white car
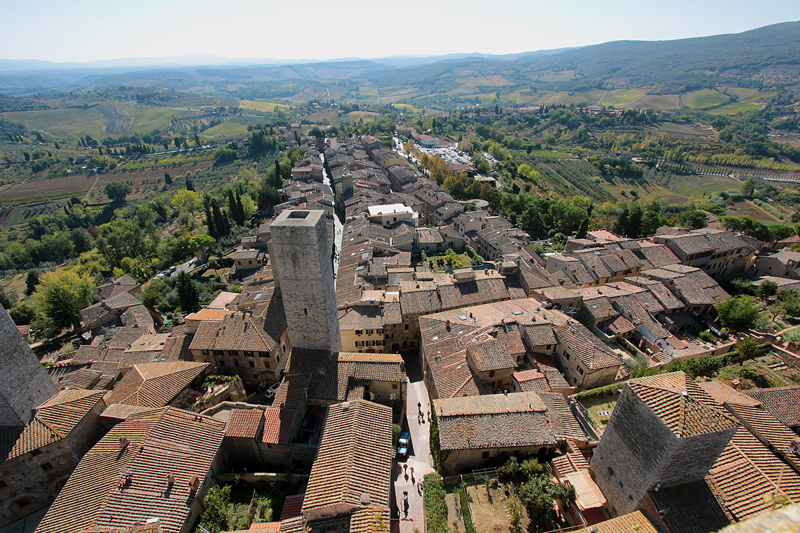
270,392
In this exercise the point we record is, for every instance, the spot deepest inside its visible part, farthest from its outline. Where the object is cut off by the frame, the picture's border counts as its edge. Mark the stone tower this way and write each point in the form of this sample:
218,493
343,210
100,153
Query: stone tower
24,383
302,260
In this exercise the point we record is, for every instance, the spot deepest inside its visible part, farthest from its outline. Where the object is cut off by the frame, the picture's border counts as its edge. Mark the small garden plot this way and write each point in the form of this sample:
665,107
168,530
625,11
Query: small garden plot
488,509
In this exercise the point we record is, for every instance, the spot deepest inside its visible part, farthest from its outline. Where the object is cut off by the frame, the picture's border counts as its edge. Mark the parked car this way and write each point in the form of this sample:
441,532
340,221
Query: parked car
402,445
271,389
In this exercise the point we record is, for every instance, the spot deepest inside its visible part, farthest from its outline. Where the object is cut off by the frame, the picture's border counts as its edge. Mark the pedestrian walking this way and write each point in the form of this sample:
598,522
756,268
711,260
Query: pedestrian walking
429,416
419,406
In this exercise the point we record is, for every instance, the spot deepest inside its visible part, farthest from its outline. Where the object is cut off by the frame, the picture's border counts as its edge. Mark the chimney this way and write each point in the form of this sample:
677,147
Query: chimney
170,479
194,482
124,443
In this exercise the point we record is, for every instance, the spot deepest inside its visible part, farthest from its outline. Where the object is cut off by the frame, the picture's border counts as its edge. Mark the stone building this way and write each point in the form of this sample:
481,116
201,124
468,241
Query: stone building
664,430
474,429
254,347
37,459
24,383
303,264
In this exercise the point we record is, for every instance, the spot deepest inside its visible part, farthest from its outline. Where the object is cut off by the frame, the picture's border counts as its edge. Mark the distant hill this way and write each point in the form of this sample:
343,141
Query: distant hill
770,53
654,61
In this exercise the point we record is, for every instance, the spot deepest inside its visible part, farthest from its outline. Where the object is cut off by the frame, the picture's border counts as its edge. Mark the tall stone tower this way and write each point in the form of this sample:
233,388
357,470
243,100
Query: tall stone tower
24,383
302,257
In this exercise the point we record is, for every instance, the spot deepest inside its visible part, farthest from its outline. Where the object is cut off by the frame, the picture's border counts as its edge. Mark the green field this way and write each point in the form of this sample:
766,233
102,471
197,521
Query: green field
620,97
735,108
406,108
656,102
258,105
704,98
147,119
226,128
741,92
62,122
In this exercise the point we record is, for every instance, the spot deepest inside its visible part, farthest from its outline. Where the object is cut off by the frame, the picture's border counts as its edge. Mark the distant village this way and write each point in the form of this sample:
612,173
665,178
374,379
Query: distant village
354,371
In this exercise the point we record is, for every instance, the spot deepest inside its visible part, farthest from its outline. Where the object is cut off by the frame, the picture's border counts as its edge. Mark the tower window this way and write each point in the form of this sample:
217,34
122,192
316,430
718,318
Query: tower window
305,310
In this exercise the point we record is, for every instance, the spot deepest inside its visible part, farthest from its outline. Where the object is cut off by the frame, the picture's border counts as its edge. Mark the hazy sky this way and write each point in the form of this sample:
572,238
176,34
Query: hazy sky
87,30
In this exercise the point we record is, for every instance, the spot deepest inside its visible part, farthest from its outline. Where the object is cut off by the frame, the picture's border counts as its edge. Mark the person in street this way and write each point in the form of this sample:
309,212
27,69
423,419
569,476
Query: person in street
429,416
419,406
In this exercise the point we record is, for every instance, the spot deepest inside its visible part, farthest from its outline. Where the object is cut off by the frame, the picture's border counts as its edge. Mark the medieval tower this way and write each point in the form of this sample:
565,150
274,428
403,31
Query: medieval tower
302,263
24,383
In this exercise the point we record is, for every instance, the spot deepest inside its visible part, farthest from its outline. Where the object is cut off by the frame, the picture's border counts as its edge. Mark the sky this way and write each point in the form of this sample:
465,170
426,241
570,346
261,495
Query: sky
91,30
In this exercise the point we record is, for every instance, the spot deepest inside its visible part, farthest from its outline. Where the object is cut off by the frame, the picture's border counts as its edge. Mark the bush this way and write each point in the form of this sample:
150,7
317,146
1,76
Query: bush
600,392
463,496
433,498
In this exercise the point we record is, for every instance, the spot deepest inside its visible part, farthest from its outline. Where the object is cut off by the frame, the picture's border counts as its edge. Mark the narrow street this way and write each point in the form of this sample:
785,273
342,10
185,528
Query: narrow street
419,458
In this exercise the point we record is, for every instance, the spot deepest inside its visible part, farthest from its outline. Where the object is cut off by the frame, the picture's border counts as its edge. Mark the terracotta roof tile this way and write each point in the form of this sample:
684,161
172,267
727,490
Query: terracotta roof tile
278,424
782,402
160,442
53,421
155,384
684,407
244,423
493,421
354,457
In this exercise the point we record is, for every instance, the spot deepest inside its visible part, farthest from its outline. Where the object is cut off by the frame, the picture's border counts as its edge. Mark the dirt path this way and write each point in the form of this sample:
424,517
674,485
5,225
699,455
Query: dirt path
96,179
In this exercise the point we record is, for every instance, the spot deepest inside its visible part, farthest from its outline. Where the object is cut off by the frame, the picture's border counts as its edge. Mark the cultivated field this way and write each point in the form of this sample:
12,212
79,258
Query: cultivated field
656,102
259,105
226,128
147,119
704,98
62,122
620,97
490,81
549,75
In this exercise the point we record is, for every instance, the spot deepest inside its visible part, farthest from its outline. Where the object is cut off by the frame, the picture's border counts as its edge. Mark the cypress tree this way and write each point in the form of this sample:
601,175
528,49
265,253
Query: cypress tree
240,209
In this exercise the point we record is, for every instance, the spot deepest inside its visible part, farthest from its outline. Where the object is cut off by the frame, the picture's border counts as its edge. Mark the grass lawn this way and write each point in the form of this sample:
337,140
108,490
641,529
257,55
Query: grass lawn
595,406
620,97
704,98
62,122
464,258
695,185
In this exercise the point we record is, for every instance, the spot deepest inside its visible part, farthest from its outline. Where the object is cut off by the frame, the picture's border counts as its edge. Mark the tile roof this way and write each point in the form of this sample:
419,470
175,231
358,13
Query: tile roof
493,421
452,376
684,407
657,256
160,442
292,391
244,423
278,424
120,411
540,334
53,421
490,355
782,402
569,463
746,471
554,377
155,384
354,457
592,352
292,506
237,332
562,421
